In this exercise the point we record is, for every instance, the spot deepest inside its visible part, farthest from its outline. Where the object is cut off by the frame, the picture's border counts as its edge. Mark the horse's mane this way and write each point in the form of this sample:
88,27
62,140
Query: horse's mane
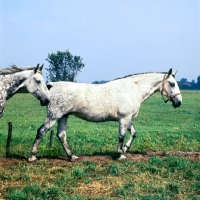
132,75
13,69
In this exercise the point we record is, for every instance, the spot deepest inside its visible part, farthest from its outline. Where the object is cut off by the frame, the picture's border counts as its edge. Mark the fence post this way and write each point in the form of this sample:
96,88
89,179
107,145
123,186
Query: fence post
51,138
9,139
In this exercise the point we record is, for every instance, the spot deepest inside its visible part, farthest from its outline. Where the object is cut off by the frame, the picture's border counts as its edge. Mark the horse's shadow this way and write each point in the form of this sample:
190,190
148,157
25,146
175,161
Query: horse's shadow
101,155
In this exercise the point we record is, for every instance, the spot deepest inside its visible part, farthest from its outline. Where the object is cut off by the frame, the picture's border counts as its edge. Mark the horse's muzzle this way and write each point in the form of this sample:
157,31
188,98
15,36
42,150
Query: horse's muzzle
176,103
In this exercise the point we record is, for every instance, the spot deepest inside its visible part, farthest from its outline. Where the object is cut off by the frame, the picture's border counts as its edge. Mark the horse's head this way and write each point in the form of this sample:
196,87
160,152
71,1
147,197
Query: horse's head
170,89
35,85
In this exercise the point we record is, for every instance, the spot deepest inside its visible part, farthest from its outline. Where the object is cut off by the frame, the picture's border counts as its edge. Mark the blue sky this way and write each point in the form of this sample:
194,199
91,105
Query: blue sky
114,37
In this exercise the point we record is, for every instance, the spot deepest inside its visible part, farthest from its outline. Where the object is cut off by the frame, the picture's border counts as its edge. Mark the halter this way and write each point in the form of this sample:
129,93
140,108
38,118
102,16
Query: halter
169,96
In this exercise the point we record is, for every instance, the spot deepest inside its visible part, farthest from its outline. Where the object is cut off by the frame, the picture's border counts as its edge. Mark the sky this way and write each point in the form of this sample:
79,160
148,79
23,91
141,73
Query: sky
115,38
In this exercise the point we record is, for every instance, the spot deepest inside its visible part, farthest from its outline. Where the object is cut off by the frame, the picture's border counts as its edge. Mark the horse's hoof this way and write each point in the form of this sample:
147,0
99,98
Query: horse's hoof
32,159
122,157
73,158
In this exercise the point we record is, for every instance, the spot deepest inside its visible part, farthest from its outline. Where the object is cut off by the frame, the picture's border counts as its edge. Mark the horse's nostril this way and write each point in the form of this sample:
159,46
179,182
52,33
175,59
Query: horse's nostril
178,103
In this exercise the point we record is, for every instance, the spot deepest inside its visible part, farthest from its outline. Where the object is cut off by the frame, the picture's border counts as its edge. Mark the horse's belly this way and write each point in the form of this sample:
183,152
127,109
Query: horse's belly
95,117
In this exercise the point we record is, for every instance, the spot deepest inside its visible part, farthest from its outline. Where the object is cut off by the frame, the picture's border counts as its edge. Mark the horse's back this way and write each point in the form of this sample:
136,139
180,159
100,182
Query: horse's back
88,93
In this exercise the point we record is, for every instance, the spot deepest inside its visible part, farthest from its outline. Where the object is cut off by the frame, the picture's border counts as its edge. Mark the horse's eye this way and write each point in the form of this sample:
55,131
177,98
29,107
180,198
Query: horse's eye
38,81
172,84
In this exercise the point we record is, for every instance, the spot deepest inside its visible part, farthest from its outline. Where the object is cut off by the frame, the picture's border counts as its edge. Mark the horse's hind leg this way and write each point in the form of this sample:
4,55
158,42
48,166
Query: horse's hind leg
63,138
40,133
132,131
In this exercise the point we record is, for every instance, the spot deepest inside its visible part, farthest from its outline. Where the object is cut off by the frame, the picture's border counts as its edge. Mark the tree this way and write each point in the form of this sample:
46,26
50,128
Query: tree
198,82
193,84
183,80
99,82
63,66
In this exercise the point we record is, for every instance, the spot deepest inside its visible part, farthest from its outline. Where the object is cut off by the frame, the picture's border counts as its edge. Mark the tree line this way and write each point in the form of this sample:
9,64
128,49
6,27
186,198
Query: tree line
184,84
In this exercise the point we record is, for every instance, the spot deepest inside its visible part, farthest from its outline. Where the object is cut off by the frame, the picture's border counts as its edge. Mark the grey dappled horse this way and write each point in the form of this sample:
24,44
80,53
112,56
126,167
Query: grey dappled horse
118,100
14,78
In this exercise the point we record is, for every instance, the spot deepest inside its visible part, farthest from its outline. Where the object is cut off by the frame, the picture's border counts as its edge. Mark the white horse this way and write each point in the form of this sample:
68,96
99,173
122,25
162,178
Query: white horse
14,78
118,100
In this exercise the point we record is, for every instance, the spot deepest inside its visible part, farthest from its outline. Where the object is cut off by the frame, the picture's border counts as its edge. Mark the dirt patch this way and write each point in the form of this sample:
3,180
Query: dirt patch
8,161
61,160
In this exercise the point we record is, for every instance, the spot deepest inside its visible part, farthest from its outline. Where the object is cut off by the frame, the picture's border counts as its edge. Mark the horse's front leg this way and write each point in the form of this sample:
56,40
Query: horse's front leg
40,133
123,125
132,131
62,122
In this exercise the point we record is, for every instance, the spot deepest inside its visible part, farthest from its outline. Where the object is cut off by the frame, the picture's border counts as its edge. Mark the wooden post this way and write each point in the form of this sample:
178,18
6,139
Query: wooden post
51,138
9,139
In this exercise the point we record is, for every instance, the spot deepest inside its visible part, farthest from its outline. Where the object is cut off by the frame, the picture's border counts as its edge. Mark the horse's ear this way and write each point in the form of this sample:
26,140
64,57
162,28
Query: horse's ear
35,70
174,74
170,72
41,67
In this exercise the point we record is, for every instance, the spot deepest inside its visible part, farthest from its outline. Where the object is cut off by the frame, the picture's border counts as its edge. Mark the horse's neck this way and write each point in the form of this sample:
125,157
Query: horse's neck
149,84
13,82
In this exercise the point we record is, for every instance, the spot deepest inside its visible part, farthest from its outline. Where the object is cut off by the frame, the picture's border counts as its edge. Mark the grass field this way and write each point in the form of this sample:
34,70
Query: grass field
160,128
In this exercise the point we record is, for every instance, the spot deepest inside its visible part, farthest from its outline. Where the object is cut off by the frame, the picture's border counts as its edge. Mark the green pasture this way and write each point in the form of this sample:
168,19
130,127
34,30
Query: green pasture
160,128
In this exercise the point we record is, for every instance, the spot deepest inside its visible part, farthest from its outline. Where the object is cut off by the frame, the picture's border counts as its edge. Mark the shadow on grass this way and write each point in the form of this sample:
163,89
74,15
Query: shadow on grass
101,156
